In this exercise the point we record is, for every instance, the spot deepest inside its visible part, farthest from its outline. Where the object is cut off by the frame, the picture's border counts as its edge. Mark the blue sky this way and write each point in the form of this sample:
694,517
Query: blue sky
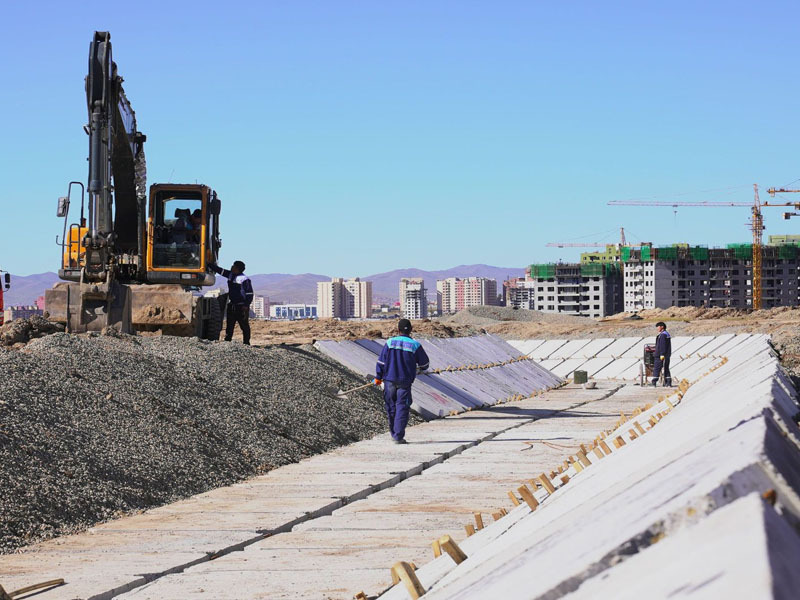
350,138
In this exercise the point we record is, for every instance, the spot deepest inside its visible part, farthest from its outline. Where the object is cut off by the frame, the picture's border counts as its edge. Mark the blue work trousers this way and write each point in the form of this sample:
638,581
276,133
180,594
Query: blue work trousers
397,397
658,364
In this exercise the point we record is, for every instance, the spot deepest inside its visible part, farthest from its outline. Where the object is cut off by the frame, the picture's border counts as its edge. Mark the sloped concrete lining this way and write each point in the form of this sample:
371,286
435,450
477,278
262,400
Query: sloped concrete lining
656,500
475,371
711,559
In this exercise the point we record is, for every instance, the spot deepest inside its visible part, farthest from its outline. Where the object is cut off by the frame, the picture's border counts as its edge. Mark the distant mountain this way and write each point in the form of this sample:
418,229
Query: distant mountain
290,288
26,288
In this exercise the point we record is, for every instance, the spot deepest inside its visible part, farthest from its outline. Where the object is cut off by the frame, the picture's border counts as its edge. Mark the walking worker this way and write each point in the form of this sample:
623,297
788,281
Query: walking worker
662,355
240,297
400,360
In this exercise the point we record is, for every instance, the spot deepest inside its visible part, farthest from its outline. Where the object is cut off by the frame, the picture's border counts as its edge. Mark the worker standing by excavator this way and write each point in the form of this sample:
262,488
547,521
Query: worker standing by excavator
240,297
662,355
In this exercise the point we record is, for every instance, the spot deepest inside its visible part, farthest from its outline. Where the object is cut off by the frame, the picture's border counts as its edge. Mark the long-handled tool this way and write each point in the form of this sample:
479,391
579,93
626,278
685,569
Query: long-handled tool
343,393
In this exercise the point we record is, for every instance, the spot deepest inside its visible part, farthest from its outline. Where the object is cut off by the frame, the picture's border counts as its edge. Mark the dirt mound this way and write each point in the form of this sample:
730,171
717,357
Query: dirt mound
307,331
19,331
481,316
92,427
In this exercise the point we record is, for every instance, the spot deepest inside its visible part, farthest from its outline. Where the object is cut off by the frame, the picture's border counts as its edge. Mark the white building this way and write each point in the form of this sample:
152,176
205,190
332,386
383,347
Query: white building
350,299
20,312
292,312
454,293
413,298
261,307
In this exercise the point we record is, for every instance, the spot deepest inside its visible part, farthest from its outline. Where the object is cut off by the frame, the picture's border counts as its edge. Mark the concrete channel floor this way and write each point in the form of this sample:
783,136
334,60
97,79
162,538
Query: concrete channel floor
331,525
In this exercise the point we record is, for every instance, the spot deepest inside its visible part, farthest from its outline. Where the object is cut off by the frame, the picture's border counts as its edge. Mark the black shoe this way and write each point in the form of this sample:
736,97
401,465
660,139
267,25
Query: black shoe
401,441
653,384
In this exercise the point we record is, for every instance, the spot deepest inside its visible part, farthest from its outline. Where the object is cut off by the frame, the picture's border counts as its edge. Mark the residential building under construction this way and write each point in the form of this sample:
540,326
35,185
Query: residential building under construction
589,289
683,275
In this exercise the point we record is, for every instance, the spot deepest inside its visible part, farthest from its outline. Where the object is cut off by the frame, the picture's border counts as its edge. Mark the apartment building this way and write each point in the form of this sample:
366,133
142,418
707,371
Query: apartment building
413,298
344,299
589,289
260,307
454,293
683,275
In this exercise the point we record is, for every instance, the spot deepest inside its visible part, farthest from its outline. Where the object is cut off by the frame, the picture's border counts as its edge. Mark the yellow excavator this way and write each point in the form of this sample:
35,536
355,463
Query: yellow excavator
133,260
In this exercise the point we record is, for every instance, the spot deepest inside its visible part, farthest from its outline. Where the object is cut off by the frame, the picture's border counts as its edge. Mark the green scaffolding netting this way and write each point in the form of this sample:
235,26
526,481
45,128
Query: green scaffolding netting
592,270
787,251
625,253
667,253
699,253
543,271
646,253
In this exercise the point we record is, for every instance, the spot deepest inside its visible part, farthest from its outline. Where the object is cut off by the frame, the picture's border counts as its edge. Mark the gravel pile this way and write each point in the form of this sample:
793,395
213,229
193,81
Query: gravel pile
95,427
479,316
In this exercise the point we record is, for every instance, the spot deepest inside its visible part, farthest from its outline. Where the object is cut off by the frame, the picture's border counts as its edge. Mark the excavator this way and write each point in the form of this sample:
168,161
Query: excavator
133,261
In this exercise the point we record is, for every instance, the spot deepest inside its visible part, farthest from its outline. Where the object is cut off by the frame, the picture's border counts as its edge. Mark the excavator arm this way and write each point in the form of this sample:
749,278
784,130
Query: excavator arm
117,166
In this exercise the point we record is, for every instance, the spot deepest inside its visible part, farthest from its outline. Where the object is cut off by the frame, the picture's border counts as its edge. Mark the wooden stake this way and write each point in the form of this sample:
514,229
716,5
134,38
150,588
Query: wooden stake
530,500
497,516
449,546
437,549
584,459
360,596
605,447
619,442
578,466
533,483
639,428
633,434
406,574
514,500
470,529
598,453
478,521
547,484
564,479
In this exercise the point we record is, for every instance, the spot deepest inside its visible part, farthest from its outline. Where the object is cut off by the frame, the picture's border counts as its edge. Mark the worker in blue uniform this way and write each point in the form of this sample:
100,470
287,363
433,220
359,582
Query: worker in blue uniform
662,355
240,297
400,360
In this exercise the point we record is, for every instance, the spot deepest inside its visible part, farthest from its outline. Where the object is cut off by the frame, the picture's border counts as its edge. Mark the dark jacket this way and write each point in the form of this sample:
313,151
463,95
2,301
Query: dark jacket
240,289
663,344
399,360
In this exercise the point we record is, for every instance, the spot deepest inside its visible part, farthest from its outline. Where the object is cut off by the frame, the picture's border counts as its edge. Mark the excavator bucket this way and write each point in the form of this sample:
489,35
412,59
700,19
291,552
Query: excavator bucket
86,307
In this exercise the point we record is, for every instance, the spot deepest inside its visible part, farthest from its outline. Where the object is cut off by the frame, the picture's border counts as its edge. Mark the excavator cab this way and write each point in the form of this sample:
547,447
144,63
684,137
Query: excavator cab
182,234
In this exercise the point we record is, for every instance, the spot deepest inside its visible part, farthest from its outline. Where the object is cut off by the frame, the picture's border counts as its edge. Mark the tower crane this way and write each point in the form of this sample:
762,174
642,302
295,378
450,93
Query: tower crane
622,242
756,225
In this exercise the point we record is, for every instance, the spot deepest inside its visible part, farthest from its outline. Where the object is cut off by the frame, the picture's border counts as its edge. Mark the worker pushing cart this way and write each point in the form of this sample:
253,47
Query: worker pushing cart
662,355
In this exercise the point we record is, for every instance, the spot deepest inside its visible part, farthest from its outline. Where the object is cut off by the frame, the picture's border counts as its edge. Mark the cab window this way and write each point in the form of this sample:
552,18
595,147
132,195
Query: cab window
177,222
